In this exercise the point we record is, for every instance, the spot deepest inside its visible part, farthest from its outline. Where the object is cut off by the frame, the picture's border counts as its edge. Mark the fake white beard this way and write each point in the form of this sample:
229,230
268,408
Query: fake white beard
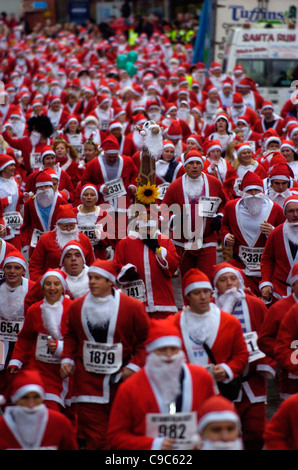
12,301
54,116
253,203
35,138
165,374
183,114
65,236
194,186
291,231
279,198
45,197
229,299
43,89
51,316
178,149
154,116
103,114
90,130
138,139
161,167
78,285
154,144
221,445
18,128
245,131
28,422
100,310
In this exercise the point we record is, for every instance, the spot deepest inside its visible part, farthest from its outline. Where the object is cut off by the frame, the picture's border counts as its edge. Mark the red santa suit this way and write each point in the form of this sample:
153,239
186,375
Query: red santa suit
31,347
153,271
137,397
285,352
5,249
278,125
126,328
58,118
245,227
281,432
277,261
181,192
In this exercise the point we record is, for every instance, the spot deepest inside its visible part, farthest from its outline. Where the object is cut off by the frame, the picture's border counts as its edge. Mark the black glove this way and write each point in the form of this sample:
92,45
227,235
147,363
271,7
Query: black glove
216,223
152,243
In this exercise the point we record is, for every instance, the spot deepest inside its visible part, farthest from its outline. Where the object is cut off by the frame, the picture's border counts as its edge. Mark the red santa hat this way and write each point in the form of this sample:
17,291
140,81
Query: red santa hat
193,155
267,104
288,144
66,214
54,99
227,84
102,99
237,99
71,119
90,118
242,146
238,69
174,130
211,89
152,104
53,174
137,90
61,275
195,279
217,408
139,119
110,145
251,181
89,186
167,144
105,268
211,145
292,198
72,245
223,268
274,158
43,179
6,160
281,172
197,139
215,66
271,136
244,83
162,333
245,120
292,128
170,107
15,257
115,125
201,67
294,274
47,150
24,382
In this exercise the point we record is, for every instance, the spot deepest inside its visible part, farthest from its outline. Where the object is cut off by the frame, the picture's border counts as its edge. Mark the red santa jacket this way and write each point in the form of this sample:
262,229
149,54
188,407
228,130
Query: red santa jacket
154,272
128,326
176,194
58,433
260,128
47,254
271,324
136,398
65,182
229,347
227,177
277,262
285,352
281,432
25,351
95,173
33,219
231,225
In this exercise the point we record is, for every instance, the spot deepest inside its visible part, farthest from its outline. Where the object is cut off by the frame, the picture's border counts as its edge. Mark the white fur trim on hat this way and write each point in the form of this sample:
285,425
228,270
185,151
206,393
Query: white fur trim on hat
224,271
53,273
197,285
27,389
193,159
164,341
44,183
243,147
102,272
15,259
88,187
71,247
218,416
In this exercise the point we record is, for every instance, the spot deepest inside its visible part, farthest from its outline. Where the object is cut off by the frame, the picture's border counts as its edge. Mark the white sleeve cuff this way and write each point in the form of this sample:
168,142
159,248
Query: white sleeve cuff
228,371
157,443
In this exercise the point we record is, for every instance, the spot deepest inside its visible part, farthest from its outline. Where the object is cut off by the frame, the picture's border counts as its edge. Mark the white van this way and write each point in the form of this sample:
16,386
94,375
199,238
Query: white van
269,56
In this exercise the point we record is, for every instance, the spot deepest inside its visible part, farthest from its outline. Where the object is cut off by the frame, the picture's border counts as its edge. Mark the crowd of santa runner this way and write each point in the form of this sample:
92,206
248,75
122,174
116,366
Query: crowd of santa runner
95,353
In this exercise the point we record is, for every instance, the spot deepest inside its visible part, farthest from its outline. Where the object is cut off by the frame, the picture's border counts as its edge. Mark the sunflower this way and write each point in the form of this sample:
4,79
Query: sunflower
147,193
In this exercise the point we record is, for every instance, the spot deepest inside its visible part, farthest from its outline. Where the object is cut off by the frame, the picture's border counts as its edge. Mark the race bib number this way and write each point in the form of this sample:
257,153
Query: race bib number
104,124
13,220
115,189
208,206
179,426
35,160
10,329
135,289
237,185
35,237
251,257
79,148
162,188
89,231
102,358
252,346
42,352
